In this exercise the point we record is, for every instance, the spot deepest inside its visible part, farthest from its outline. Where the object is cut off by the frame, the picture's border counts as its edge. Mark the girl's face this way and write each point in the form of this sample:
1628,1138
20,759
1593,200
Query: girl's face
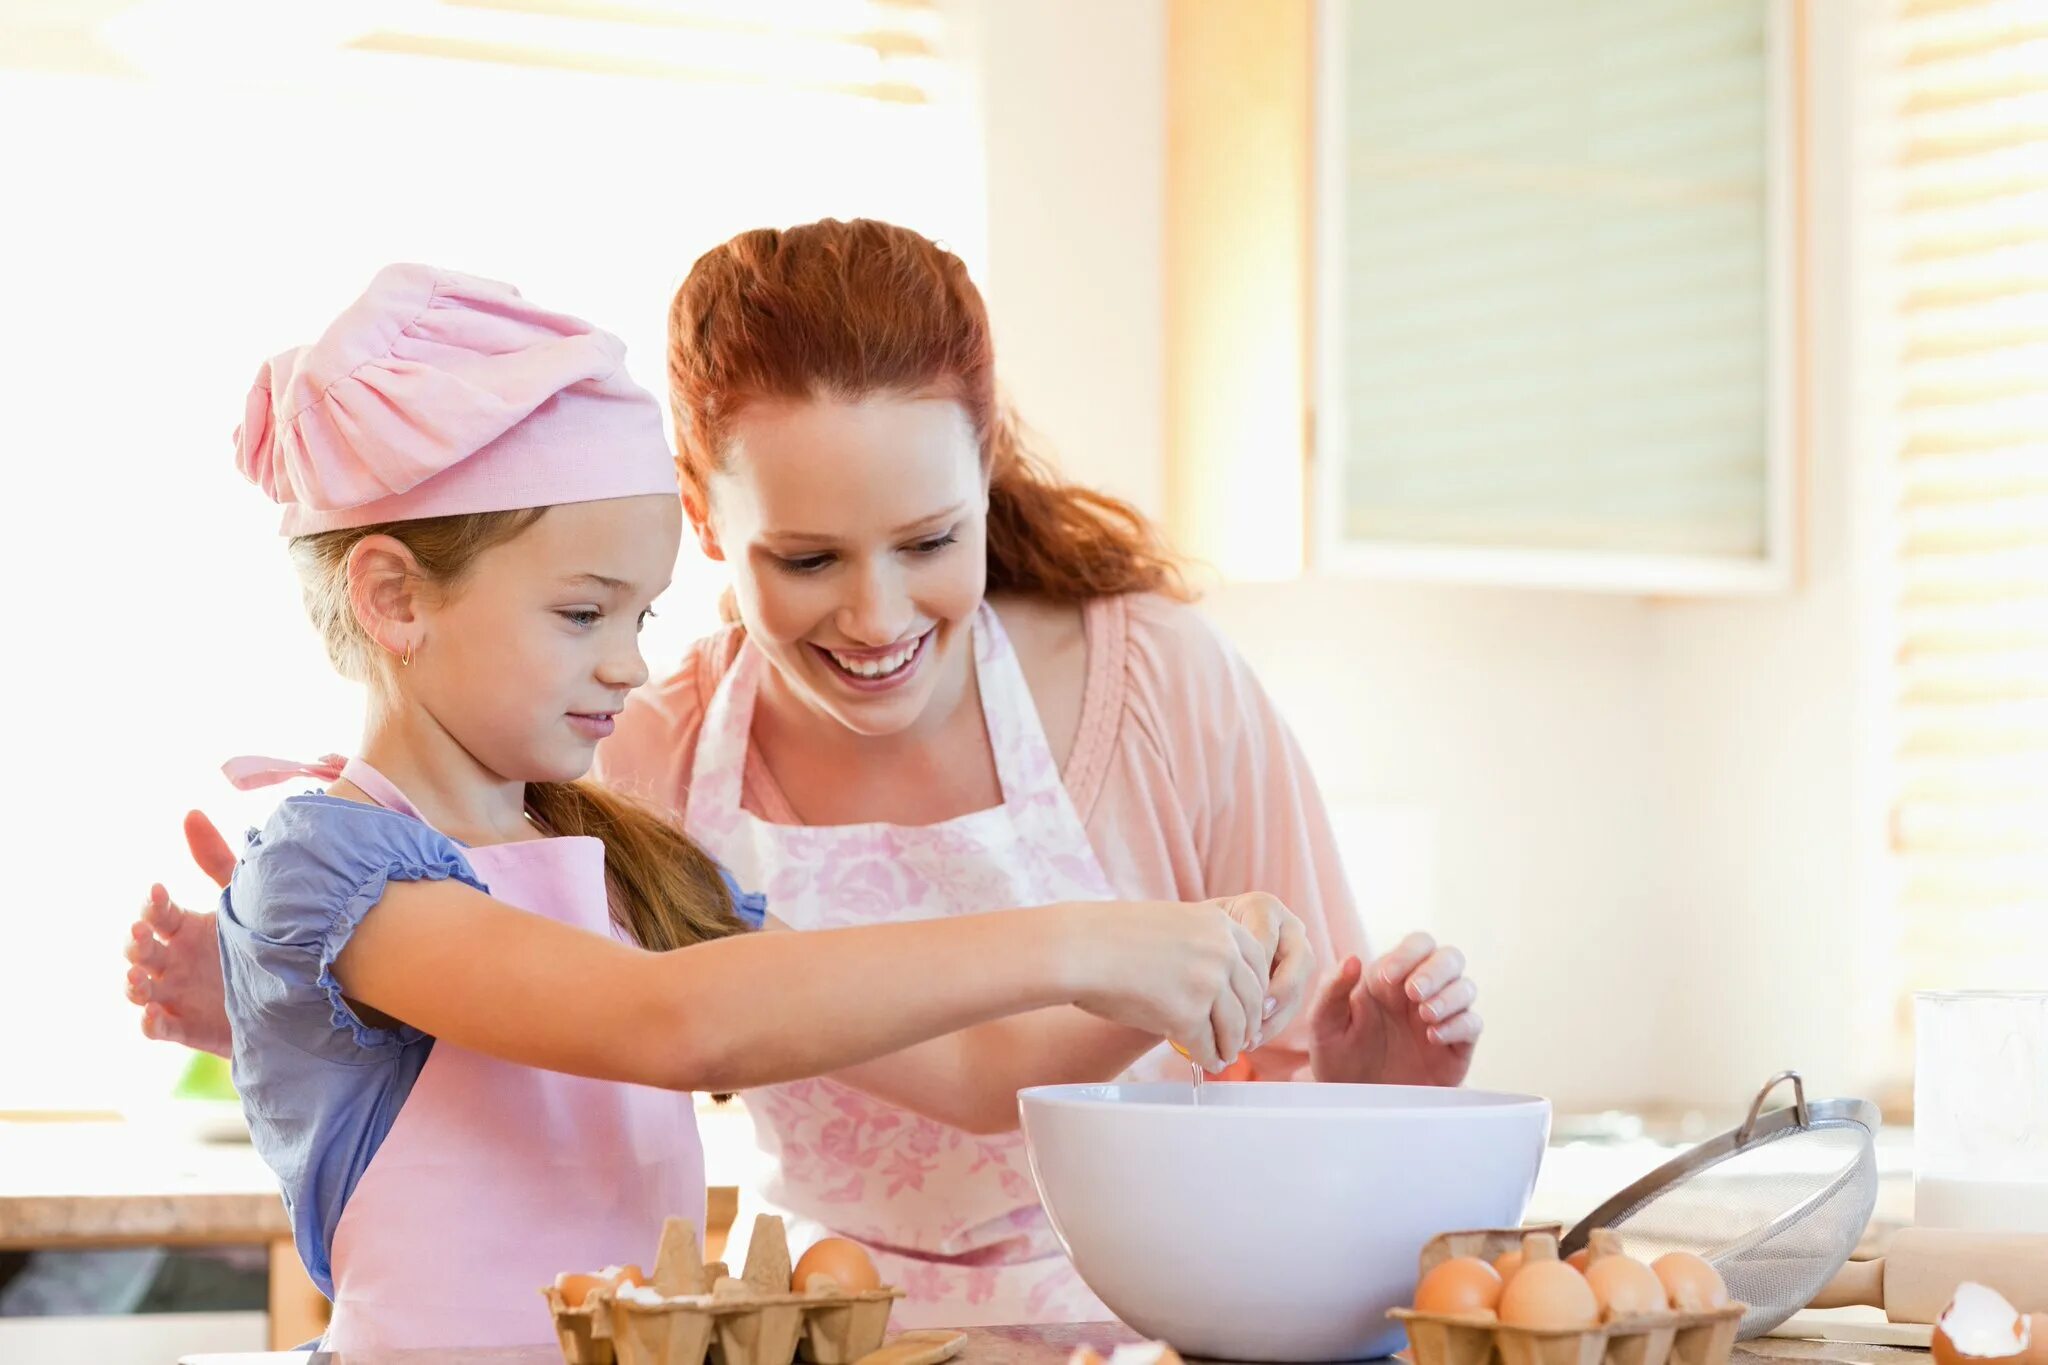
528,659
857,536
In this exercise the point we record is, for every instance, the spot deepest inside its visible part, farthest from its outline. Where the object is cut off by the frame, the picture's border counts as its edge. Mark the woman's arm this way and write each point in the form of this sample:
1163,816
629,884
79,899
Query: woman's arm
1405,1018
970,1079
757,1009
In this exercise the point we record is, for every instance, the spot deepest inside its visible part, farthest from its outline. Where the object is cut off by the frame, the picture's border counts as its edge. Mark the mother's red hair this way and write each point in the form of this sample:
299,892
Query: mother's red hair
849,309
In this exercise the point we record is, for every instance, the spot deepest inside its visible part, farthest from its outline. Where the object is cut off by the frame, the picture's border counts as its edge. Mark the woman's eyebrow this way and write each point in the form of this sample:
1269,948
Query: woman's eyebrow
905,529
955,510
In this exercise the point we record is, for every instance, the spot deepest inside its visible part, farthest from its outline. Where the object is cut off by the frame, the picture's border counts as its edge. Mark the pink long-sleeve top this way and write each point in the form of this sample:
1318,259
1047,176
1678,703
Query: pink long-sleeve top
1189,782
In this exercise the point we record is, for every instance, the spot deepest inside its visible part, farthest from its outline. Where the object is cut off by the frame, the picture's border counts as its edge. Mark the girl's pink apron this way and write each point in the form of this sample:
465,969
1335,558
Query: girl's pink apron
951,1218
496,1177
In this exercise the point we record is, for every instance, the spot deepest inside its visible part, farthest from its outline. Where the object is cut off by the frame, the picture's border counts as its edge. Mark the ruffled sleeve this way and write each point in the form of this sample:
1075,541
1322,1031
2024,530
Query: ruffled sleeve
304,884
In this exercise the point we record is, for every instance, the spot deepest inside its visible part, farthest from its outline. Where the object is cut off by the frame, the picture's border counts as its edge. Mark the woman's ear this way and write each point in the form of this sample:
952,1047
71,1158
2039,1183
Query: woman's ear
700,524
384,583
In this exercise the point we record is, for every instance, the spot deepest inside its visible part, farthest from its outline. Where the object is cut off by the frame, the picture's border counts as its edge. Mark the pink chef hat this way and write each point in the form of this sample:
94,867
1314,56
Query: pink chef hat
438,393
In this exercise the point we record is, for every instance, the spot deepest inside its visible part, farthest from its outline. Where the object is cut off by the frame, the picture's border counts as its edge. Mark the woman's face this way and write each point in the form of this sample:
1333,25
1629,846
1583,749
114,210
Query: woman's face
857,536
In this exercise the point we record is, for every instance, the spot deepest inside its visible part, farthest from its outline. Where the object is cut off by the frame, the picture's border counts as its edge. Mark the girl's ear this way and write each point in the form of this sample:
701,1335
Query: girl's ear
700,525
384,584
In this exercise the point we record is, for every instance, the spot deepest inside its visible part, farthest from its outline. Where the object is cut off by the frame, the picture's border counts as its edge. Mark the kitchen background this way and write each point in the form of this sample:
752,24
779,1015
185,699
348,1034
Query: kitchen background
1616,433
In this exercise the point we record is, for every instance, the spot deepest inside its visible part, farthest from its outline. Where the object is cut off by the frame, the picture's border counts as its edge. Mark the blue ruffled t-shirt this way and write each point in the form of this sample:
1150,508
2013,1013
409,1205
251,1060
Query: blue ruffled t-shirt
321,1087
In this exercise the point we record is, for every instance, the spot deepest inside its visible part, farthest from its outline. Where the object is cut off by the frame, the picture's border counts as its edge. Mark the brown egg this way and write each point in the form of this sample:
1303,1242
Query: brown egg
1690,1284
839,1260
1578,1259
1947,1352
1463,1287
575,1288
1506,1264
1625,1288
1980,1327
1548,1295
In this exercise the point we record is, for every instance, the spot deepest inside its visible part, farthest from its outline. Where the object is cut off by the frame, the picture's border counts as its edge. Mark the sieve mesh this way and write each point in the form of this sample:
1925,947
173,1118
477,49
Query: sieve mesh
1776,1206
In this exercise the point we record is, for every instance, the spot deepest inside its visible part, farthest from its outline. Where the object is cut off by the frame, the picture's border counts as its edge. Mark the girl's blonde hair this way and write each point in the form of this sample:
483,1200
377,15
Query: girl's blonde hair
665,891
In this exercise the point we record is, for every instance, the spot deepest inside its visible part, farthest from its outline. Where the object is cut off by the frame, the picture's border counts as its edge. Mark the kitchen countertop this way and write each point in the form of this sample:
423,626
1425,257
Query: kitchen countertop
109,1183
1048,1345
164,1177
152,1179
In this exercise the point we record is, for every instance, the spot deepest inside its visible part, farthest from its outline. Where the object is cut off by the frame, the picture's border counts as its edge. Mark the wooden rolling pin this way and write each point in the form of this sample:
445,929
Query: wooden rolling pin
1919,1271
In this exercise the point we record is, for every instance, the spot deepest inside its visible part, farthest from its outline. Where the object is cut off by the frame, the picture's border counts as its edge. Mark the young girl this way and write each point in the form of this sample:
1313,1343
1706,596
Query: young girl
464,1033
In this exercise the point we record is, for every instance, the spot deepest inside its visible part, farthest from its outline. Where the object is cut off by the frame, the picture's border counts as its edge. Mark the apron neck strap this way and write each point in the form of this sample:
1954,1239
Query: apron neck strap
379,788
249,772
1016,738
252,771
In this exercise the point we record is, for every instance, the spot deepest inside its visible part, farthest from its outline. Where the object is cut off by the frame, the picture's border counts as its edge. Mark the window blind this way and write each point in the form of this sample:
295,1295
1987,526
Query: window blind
1967,90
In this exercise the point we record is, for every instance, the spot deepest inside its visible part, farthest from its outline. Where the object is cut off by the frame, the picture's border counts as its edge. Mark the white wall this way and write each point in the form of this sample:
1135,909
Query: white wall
1076,147
1771,716
1521,721
1649,818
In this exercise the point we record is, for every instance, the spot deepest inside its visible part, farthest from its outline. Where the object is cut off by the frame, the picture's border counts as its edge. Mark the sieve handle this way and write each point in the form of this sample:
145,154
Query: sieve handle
1800,1113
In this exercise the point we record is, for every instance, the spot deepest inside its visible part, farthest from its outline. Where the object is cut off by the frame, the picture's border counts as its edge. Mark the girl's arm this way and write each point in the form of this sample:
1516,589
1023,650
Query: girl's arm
756,1009
970,1079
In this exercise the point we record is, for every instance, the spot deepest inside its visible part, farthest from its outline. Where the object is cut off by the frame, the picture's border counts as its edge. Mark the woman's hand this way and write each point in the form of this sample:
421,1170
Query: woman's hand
174,956
1215,977
1405,1020
1281,934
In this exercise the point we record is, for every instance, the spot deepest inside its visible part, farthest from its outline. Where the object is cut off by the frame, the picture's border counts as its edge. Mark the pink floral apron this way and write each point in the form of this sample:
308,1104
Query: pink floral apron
951,1218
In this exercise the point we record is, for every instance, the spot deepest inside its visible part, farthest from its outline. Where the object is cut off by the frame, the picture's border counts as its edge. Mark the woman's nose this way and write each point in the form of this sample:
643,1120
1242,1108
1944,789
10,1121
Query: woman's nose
877,611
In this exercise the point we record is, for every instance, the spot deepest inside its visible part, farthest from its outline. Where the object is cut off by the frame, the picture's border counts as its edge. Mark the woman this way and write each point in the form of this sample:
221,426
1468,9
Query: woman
952,683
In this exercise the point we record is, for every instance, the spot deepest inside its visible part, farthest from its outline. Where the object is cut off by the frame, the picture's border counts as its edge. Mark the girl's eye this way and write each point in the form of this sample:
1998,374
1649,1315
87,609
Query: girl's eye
935,544
583,617
807,564
645,617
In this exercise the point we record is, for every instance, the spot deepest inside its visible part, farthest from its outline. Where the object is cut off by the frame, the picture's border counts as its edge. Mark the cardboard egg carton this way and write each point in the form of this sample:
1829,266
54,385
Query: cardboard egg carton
1668,1338
702,1313
584,1330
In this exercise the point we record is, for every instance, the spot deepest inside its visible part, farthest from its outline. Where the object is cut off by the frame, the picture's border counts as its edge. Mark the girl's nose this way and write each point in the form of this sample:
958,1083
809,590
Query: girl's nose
624,667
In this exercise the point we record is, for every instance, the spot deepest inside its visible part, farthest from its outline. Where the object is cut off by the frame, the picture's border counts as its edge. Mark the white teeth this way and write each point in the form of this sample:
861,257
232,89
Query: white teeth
877,668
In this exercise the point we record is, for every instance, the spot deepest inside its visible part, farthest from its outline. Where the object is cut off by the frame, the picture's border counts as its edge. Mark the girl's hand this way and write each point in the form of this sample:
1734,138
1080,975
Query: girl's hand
1406,1020
1292,958
174,956
1200,975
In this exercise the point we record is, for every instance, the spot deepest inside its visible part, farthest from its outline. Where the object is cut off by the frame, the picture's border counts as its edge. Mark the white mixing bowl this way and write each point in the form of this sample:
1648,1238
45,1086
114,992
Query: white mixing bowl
1273,1222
